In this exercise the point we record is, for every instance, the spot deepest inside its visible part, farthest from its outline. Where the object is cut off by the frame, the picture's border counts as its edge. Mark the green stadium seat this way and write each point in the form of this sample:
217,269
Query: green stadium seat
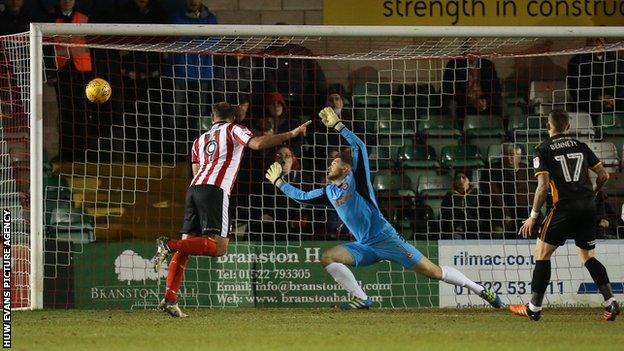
56,187
435,203
417,156
393,184
581,125
612,124
438,126
372,94
434,185
70,224
461,156
618,141
607,153
483,131
477,126
526,126
415,173
372,116
439,143
396,125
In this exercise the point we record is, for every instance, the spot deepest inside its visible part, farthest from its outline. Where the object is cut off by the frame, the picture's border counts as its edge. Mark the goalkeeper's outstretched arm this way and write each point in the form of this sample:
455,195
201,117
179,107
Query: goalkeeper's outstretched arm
313,197
359,155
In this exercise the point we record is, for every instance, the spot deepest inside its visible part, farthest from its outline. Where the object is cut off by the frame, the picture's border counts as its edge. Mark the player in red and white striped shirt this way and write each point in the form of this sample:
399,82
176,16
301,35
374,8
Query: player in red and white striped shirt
216,157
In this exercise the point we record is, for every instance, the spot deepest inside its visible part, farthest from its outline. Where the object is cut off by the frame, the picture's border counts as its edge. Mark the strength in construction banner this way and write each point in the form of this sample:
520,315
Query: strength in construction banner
507,266
121,275
474,12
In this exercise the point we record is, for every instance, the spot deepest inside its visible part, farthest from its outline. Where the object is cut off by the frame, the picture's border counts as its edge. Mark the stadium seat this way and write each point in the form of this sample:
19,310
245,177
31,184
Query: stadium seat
372,94
461,156
415,173
434,185
612,124
476,126
371,116
438,126
397,124
56,187
70,224
387,126
523,127
417,156
393,184
607,153
432,189
483,131
581,125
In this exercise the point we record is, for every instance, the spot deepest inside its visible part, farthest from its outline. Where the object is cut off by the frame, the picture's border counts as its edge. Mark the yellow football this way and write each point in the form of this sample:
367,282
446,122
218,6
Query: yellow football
98,90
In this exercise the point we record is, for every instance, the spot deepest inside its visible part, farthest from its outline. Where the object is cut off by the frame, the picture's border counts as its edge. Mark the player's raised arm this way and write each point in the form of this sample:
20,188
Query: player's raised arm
313,197
331,120
267,141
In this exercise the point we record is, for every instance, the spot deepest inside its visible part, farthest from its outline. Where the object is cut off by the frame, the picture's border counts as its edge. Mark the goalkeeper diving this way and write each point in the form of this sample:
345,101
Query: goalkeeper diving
350,192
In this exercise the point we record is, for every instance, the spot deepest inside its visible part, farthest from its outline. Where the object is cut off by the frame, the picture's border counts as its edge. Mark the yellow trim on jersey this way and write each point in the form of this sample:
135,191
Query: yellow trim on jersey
597,164
540,172
554,192
542,234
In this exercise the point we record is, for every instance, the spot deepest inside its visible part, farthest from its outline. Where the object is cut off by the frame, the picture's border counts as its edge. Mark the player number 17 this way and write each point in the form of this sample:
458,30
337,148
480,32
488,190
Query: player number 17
564,165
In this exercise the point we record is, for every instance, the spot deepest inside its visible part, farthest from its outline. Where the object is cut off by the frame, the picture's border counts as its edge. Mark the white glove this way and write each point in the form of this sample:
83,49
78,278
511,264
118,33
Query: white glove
274,173
330,119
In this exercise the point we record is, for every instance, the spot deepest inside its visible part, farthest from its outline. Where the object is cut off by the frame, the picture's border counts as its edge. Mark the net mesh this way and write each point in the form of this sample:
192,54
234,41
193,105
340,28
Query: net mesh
428,109
14,160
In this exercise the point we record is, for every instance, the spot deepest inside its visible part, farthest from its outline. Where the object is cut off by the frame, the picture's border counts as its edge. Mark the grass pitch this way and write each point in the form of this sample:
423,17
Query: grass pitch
302,329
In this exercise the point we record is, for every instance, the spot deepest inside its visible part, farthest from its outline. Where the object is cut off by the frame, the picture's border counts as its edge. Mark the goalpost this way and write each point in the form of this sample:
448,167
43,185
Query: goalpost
112,193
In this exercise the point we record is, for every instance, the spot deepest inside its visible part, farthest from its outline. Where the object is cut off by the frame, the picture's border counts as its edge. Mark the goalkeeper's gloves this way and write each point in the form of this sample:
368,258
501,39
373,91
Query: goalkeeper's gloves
330,119
274,174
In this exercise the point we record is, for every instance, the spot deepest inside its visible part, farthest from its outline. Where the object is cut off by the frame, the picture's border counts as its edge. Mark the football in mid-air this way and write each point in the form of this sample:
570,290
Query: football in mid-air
98,90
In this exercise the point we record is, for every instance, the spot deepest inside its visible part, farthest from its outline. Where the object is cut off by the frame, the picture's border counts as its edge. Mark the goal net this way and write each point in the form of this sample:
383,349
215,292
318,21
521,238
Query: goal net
450,123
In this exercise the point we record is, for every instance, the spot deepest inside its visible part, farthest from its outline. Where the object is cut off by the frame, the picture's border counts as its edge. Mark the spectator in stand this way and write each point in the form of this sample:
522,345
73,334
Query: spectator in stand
596,80
276,118
244,110
511,185
606,217
233,74
471,86
464,211
14,18
78,129
301,81
281,216
192,75
140,71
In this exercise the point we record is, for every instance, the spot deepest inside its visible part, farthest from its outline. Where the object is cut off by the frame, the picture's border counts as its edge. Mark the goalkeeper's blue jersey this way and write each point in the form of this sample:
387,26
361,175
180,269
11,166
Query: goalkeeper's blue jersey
353,199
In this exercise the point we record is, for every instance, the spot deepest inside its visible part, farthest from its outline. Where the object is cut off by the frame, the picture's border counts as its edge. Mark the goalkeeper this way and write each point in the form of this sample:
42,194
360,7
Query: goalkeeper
350,192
